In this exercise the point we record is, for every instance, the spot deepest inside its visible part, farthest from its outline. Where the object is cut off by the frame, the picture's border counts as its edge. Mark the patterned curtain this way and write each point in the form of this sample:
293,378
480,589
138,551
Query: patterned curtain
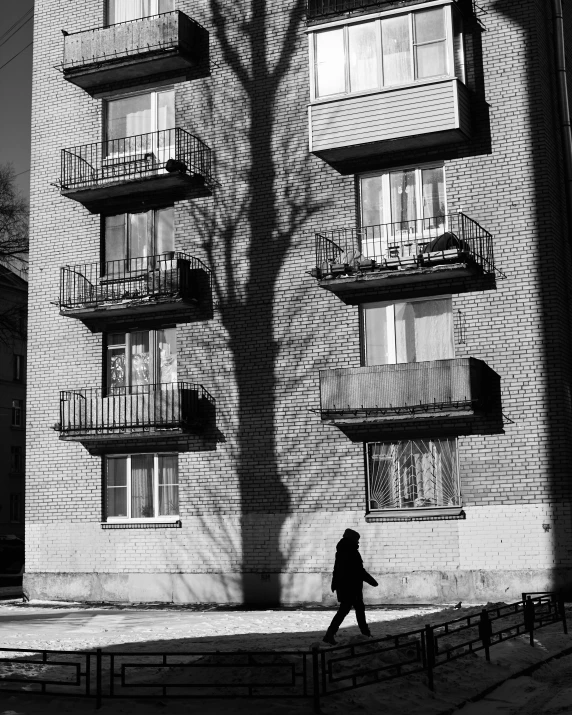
168,485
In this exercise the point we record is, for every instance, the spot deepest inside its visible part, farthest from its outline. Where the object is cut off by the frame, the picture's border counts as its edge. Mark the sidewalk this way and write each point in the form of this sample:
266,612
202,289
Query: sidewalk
71,626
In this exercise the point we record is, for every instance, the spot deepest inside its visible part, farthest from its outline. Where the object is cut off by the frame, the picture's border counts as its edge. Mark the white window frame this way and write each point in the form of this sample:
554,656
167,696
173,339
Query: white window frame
167,519
448,7
391,324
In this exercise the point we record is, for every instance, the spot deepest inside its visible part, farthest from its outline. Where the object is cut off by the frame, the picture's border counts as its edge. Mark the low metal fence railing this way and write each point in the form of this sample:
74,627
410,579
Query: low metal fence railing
316,674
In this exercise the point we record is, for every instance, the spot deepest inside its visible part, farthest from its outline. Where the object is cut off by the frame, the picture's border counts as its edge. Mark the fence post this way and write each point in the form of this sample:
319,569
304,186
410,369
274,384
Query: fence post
316,679
485,633
98,679
562,612
529,618
430,650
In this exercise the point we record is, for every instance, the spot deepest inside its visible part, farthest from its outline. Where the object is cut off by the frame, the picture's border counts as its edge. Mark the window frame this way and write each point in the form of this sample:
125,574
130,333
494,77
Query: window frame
17,460
152,231
18,367
449,11
168,518
16,504
17,419
391,331
154,110
433,510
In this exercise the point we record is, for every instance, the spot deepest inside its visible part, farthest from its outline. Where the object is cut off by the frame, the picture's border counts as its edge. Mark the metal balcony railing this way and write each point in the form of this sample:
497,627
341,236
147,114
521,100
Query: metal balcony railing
422,242
323,8
135,158
162,276
93,411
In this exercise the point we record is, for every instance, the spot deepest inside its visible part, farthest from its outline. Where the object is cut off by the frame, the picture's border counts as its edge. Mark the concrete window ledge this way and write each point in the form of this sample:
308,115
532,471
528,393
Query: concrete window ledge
416,515
141,524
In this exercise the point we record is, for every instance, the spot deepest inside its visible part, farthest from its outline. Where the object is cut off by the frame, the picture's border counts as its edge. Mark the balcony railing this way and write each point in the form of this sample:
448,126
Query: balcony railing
135,53
153,278
422,243
124,169
138,409
324,8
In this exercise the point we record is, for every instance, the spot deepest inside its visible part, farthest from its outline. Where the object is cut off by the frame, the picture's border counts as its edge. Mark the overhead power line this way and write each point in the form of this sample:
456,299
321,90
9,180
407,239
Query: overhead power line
9,30
16,55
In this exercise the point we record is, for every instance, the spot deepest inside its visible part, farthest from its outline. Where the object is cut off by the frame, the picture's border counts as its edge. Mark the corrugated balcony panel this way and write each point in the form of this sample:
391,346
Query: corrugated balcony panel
403,393
137,53
139,412
418,116
137,173
175,286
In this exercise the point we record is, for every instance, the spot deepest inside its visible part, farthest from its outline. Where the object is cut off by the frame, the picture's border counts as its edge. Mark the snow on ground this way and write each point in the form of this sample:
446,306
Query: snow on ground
75,627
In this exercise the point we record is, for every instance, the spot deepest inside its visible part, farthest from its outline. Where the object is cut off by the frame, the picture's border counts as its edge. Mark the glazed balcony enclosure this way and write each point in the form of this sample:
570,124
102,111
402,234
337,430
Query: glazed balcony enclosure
173,285
403,395
388,84
137,172
318,9
376,262
139,412
138,53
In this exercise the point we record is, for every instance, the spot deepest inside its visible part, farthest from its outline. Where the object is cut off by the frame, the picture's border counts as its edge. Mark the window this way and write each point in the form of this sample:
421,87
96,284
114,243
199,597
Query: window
142,357
124,10
15,508
413,474
18,368
410,331
388,51
16,459
17,413
142,486
130,239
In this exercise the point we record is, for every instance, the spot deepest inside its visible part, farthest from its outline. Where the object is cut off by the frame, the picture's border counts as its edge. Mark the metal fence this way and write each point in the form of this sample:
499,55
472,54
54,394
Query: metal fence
136,407
315,674
161,276
418,243
135,158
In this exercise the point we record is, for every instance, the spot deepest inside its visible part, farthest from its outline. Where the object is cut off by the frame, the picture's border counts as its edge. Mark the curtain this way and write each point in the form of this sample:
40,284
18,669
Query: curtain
433,189
116,377
167,355
125,10
165,232
140,239
126,119
363,56
142,486
140,358
115,244
330,62
379,349
424,330
396,50
402,186
116,486
168,485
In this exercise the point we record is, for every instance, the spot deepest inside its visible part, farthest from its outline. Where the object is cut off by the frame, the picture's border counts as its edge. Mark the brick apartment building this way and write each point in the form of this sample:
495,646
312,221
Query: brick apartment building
296,268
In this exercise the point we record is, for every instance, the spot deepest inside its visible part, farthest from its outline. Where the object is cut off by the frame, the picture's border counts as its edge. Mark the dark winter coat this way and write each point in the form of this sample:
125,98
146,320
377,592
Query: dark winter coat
349,573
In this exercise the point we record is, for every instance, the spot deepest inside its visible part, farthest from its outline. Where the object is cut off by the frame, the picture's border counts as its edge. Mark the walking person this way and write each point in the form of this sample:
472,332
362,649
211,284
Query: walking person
347,582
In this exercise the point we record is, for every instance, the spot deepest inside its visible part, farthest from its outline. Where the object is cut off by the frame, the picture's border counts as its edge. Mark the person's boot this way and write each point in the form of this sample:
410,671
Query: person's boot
329,639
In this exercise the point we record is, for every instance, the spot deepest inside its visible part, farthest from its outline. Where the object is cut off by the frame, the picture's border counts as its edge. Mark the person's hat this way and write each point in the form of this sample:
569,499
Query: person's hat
351,535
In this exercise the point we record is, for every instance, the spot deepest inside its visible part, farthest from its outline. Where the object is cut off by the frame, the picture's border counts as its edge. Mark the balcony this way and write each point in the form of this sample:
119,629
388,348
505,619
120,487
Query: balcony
140,53
132,415
353,133
170,286
318,9
379,400
405,258
137,173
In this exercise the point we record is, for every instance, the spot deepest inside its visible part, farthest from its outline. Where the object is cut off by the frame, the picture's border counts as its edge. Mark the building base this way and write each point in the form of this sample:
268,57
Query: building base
476,586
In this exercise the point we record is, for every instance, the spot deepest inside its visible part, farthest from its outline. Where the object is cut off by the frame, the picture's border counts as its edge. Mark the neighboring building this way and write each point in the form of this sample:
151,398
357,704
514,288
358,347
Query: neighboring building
242,343
13,305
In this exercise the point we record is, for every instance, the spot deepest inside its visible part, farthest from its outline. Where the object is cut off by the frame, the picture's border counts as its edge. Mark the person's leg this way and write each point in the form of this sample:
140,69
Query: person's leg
343,610
360,615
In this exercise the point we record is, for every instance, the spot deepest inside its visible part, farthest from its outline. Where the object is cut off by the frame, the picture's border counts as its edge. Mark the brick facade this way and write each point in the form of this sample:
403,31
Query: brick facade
263,504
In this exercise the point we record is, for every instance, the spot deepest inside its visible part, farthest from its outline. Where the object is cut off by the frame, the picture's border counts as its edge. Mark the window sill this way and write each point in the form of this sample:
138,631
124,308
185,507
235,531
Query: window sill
142,524
436,514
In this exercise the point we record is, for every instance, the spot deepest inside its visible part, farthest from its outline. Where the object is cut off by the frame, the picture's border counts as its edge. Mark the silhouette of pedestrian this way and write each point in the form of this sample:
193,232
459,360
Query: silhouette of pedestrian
347,581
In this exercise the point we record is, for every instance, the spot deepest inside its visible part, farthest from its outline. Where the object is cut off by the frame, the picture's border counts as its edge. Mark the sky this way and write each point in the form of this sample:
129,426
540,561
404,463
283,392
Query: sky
16,90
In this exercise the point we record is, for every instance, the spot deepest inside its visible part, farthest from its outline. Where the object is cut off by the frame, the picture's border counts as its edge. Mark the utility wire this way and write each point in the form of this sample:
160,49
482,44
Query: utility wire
9,30
22,172
16,55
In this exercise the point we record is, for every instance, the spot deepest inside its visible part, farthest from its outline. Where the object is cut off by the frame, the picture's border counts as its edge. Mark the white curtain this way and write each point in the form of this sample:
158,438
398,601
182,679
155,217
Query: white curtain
363,47
167,355
168,485
125,10
396,50
142,486
140,358
330,62
424,330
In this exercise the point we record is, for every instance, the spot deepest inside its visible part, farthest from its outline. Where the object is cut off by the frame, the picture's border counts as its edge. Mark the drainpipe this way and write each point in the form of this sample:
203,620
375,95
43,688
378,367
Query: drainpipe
562,89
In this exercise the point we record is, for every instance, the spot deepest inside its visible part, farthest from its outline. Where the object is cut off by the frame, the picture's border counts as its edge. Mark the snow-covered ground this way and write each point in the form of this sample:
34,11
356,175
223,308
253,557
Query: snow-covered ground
73,627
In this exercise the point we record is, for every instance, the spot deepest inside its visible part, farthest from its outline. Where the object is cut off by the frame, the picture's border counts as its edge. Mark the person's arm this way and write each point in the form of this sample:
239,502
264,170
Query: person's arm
369,579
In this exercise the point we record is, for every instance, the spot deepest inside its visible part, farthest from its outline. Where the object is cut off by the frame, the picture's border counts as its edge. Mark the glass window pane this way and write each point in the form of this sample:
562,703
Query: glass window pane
167,340
364,73
168,485
165,230
140,358
458,45
115,242
125,10
379,335
396,50
372,212
429,25
431,60
117,486
433,189
330,62
166,5
166,109
140,239
116,376
424,330
142,486
127,117
403,196
117,471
